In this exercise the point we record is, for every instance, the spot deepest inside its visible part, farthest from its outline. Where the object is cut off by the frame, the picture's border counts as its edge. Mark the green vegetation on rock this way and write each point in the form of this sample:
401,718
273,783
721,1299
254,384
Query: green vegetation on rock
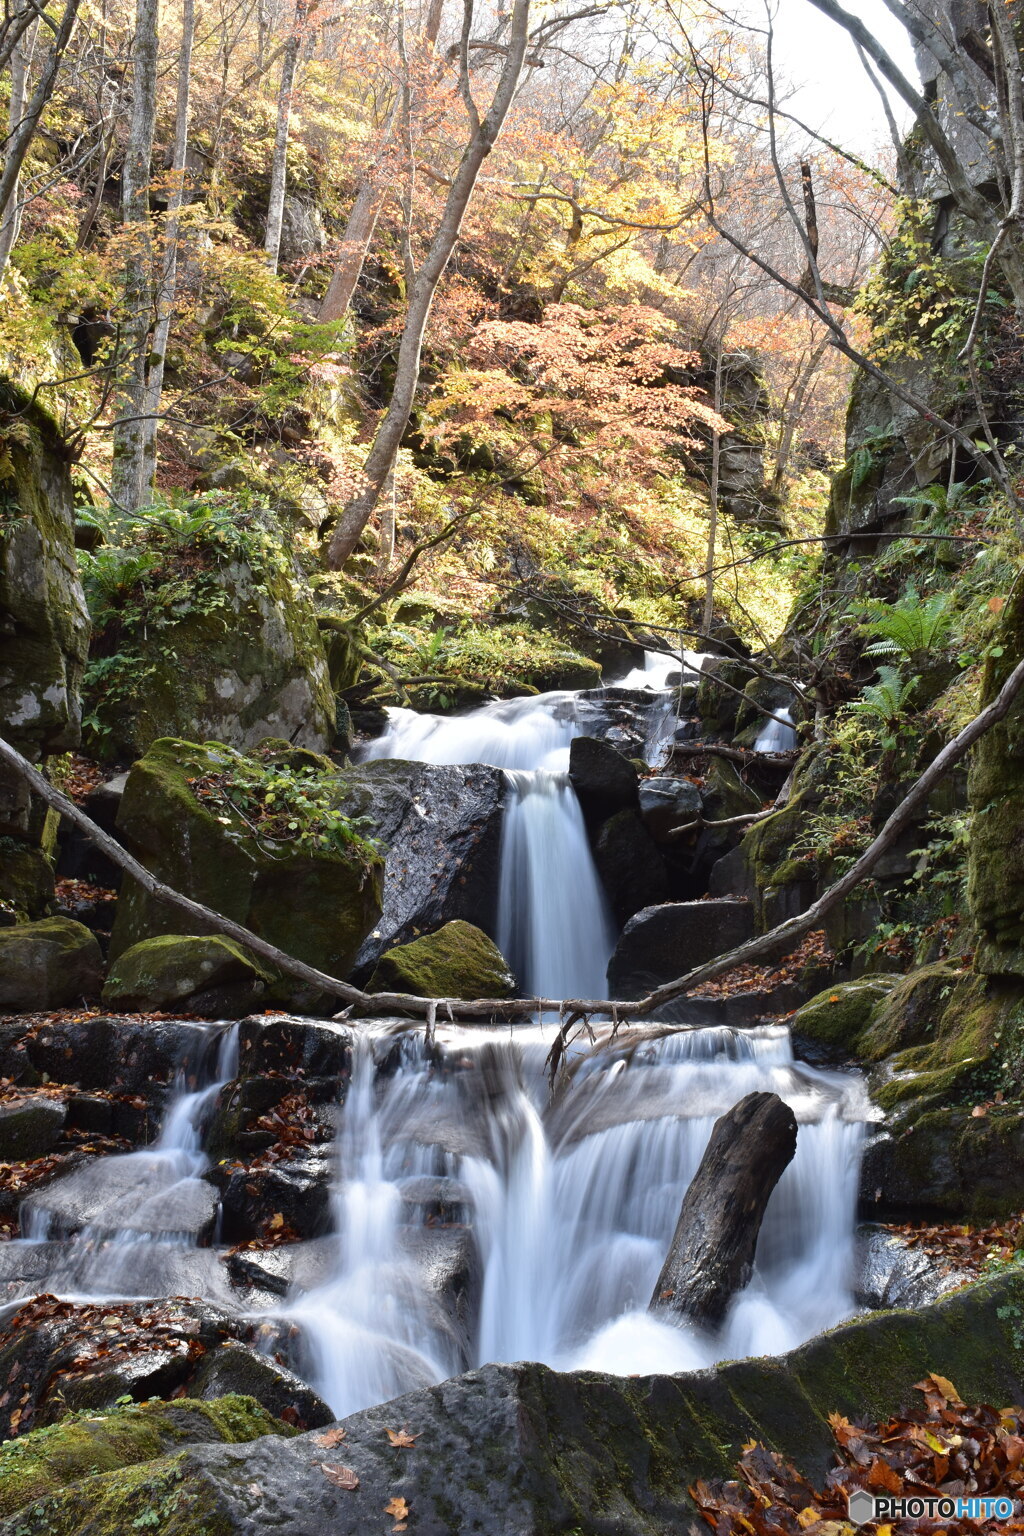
458,960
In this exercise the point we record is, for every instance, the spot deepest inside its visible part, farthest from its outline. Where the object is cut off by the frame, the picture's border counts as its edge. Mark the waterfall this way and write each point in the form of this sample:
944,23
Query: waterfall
554,925
778,734
143,1209
573,1207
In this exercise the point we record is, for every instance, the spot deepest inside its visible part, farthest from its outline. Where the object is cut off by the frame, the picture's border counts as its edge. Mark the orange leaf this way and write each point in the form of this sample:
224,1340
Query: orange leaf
882,1475
947,1388
399,1437
396,1508
330,1437
996,604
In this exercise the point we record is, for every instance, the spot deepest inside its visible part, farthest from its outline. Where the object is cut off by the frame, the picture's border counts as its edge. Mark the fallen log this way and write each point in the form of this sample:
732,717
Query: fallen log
712,1254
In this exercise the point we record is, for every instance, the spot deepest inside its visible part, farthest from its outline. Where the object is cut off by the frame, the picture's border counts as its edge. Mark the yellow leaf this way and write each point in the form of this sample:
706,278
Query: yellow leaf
806,1517
396,1508
947,1388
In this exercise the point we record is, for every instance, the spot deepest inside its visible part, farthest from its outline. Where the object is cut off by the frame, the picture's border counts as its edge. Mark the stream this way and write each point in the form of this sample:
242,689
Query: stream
547,1218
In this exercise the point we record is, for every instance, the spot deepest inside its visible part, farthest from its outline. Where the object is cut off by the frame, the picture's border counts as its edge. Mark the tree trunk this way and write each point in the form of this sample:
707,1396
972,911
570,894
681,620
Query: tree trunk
396,418
21,59
716,463
23,131
169,277
279,164
712,1254
127,483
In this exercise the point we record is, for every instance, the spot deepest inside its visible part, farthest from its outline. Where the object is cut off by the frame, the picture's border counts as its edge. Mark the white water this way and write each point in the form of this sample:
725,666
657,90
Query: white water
658,668
778,734
574,1208
142,1207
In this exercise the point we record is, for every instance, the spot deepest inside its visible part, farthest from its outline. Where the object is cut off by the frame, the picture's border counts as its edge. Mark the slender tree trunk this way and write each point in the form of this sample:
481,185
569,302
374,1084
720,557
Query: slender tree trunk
127,481
21,60
279,164
396,418
169,278
21,137
362,221
793,415
716,465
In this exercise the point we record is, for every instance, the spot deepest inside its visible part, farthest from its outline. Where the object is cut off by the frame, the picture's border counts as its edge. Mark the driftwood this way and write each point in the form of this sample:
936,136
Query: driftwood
778,941
712,1254
734,754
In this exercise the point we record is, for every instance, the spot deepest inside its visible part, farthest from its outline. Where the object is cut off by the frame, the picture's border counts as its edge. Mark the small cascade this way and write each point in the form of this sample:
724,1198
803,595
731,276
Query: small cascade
660,671
778,734
554,924
572,1207
511,733
135,1221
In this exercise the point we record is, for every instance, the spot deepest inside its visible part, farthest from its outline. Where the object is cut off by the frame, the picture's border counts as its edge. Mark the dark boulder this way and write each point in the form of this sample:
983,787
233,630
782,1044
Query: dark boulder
604,781
54,963
211,976
630,865
235,1368
661,943
291,1197
459,960
440,826
29,1128
667,803
513,1450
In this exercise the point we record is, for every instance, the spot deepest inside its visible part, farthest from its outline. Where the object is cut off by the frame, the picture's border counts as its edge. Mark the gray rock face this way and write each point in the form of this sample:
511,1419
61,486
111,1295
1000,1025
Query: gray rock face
518,1450
441,827
666,803
892,1273
302,230
53,963
296,1191
30,1128
115,1053
661,943
630,865
142,1193
604,781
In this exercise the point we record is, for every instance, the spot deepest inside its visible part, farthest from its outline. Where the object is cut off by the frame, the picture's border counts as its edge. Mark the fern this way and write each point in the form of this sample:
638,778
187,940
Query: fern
885,700
908,627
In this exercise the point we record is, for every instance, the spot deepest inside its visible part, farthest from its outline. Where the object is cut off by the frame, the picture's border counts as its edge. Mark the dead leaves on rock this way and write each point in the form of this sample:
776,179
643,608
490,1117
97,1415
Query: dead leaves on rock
401,1438
964,1248
945,1447
341,1477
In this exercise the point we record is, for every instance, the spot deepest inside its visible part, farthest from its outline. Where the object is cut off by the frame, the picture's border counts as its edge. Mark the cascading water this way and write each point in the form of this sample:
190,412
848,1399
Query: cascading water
573,1206
778,734
143,1210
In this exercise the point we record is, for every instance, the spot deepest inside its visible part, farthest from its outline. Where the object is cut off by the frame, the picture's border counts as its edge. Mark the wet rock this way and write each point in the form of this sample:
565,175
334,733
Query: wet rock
124,1055
213,977
511,1450
294,1267
457,961
447,1262
630,865
429,1200
140,1193
29,1128
441,828
66,1356
950,1162
310,1048
25,1267
604,781
83,1448
53,963
726,795
894,1273
667,803
315,904
235,1368
292,1195
663,942
837,1017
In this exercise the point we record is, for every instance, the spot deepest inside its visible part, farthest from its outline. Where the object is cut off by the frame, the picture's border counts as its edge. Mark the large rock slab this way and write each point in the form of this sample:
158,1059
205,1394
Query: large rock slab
604,781
142,1193
661,943
441,828
53,963
515,1450
30,1127
316,904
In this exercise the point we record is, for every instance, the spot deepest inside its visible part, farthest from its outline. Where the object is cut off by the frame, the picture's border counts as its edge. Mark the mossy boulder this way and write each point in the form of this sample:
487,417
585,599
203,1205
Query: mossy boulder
316,904
915,1008
85,1446
240,660
951,1163
211,976
26,880
995,886
49,964
456,961
837,1017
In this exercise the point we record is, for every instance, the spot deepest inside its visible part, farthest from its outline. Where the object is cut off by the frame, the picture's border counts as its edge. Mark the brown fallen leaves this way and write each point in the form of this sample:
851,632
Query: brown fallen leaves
400,1437
341,1477
330,1437
964,1248
945,1447
812,953
398,1509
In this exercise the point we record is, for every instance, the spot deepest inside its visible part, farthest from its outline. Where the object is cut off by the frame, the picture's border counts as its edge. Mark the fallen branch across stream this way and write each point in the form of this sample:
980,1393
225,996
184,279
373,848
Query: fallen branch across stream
778,941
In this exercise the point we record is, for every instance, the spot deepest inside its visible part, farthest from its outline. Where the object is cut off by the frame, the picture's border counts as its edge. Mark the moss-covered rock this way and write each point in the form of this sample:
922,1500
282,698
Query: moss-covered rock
316,904
85,1446
239,657
950,1162
916,1006
996,783
837,1017
456,961
49,964
205,975
26,880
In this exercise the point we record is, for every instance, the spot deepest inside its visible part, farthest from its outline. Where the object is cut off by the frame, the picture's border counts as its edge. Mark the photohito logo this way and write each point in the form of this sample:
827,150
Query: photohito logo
864,1506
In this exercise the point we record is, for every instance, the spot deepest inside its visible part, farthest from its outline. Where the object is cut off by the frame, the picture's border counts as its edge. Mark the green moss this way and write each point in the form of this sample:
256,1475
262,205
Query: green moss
914,1007
457,961
838,1016
85,1446
315,904
169,971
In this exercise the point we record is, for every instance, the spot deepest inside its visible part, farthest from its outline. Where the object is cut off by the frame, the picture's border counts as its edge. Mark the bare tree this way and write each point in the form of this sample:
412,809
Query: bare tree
279,163
483,134
127,478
